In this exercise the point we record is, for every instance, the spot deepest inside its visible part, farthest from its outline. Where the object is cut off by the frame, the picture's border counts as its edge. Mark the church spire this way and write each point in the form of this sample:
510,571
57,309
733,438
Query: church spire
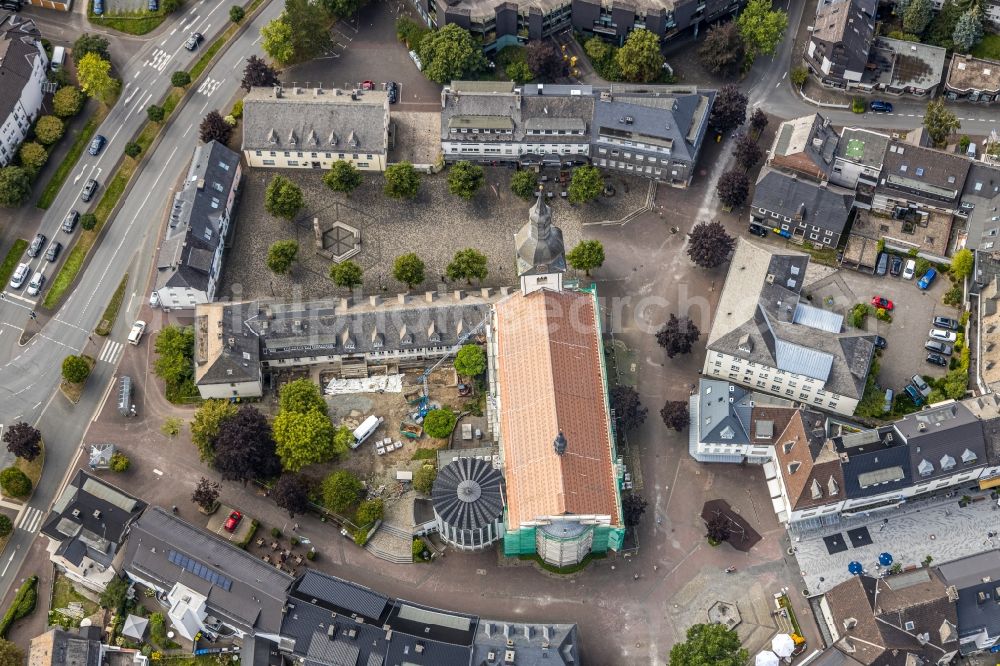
540,249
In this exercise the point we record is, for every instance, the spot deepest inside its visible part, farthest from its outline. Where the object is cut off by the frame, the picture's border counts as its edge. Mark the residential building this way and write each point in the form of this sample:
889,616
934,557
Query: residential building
980,201
972,79
81,647
929,233
189,261
652,131
805,147
806,210
207,585
498,24
768,337
23,69
839,42
974,580
897,620
549,409
991,13
723,426
857,162
235,352
87,527
899,67
915,179
988,338
311,128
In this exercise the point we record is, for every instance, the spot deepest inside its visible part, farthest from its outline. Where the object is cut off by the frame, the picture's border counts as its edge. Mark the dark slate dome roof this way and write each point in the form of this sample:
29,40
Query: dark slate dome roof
467,493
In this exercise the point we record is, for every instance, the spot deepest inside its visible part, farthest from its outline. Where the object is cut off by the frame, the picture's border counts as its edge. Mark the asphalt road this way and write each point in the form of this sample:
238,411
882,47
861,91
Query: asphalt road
29,382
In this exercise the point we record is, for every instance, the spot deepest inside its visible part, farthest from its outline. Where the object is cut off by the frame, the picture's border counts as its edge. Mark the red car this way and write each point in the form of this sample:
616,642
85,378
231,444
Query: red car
232,521
367,85
880,302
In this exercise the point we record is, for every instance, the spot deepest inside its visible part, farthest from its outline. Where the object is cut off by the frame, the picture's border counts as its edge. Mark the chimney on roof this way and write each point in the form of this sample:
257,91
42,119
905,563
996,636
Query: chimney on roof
345,303
429,296
458,294
401,298
560,443
373,300
277,92
485,292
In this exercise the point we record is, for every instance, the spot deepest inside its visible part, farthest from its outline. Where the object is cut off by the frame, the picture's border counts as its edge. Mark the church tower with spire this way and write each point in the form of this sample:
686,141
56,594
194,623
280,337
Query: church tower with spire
541,256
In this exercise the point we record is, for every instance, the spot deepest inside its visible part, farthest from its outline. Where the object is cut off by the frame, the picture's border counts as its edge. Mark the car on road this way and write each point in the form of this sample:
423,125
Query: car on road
918,382
880,106
96,144
928,279
154,299
52,253
909,269
69,222
757,230
36,283
895,266
937,359
938,347
37,243
88,190
914,395
368,85
392,90
880,342
193,41
882,302
233,521
135,335
20,275
946,323
942,335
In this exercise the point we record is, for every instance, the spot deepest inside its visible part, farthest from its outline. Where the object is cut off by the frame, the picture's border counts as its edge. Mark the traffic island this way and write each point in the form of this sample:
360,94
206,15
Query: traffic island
73,390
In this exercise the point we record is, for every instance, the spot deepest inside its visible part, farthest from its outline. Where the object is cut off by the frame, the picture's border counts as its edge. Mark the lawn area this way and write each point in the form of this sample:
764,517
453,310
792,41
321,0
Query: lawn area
74,391
11,260
988,48
63,594
81,142
33,469
111,312
131,23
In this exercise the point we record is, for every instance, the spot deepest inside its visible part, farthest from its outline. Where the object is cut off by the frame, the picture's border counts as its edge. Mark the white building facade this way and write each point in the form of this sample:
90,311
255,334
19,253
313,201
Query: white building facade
23,64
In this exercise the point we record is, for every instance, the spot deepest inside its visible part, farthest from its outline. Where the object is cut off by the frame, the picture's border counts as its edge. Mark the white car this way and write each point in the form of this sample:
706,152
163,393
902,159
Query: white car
135,335
154,299
942,335
20,275
910,269
35,286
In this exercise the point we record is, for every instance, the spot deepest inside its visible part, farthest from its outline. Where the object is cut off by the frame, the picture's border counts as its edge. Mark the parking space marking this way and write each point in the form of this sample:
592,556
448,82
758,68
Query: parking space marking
111,352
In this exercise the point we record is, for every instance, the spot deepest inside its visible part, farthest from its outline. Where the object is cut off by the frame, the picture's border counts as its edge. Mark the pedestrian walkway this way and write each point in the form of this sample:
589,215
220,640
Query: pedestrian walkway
31,519
111,352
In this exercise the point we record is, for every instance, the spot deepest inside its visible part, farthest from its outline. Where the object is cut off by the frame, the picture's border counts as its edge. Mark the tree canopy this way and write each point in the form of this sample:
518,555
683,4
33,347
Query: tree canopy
450,54
342,177
291,493
586,184
968,29
206,494
301,396
468,264
423,479
544,59
258,73
729,109
939,122
439,423
33,157
917,15
179,79
640,59
244,447
283,198
408,269
23,440
401,181
15,186
746,151
633,506
214,128
175,358
303,439
465,179
67,102
94,75
962,264
206,423
87,43
733,188
341,490
675,414
281,255
629,411
524,184
301,32
470,361
346,274
586,256
75,369
723,51
709,244
678,335
709,645
761,28
49,129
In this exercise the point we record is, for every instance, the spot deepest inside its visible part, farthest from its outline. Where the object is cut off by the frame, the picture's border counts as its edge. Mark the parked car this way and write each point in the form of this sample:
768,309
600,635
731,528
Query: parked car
37,243
920,385
880,342
416,60
36,283
154,299
887,407
909,269
96,144
193,41
53,252
392,89
883,263
880,106
69,223
942,335
937,359
757,230
98,7
20,275
946,323
928,279
135,335
895,265
368,85
938,347
914,395
154,5
882,302
88,190
233,521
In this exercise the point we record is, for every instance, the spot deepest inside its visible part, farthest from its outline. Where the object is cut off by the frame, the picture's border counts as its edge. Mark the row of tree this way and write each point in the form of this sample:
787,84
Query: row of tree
731,48
958,25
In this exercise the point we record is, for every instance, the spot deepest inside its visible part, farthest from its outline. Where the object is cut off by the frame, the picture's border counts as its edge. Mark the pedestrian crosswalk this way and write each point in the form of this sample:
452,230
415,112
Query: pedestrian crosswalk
111,352
30,520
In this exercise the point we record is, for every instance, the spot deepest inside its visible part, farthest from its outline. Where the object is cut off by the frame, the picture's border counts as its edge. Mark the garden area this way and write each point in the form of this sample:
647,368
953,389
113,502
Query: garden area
68,605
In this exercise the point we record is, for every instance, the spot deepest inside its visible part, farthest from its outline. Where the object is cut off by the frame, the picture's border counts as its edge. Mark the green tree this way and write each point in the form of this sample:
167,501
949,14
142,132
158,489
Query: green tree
281,255
439,423
342,177
180,78
15,186
133,149
155,113
283,198
87,43
917,15
94,74
6,527
962,264
236,13
343,438
401,181
597,49
175,356
342,8
340,490
346,274
368,512
586,256
119,463
467,265
470,361
277,42
33,157
14,482
423,479
10,654
302,439
639,59
465,179
968,29
408,269
450,54
75,369
301,32
88,221
519,72
49,129
586,185
115,594
799,76
301,396
942,27
709,645
206,423
67,102
524,184
761,28
939,121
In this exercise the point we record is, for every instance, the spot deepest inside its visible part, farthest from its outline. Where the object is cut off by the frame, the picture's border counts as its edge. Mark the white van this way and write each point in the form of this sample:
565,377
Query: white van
365,430
416,60
58,58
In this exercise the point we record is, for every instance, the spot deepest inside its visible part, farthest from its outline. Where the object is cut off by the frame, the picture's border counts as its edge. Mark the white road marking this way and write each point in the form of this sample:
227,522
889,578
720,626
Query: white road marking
31,519
187,130
110,352
80,175
7,566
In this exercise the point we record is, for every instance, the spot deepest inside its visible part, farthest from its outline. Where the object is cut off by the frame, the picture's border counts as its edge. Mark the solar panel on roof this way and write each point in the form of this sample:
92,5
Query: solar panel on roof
200,570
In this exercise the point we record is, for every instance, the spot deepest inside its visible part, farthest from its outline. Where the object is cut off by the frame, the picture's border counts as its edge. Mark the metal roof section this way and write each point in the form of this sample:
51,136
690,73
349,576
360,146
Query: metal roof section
802,360
814,317
468,494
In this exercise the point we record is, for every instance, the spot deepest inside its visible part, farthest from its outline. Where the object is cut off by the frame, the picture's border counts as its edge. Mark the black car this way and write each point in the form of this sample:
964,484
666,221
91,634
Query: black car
937,359
88,190
36,245
880,342
757,230
10,5
69,224
938,347
53,252
947,323
895,266
96,144
392,90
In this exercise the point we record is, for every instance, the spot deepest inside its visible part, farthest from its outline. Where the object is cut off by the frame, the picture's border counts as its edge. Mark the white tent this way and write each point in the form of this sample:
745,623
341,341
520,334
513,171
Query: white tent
783,645
135,627
766,658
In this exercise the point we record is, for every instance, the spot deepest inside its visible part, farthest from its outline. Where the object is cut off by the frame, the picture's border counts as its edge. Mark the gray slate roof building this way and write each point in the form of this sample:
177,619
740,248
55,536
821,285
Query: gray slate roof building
226,350
724,415
805,146
58,647
539,243
91,518
246,592
980,202
802,205
923,175
531,644
199,218
976,580
842,35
